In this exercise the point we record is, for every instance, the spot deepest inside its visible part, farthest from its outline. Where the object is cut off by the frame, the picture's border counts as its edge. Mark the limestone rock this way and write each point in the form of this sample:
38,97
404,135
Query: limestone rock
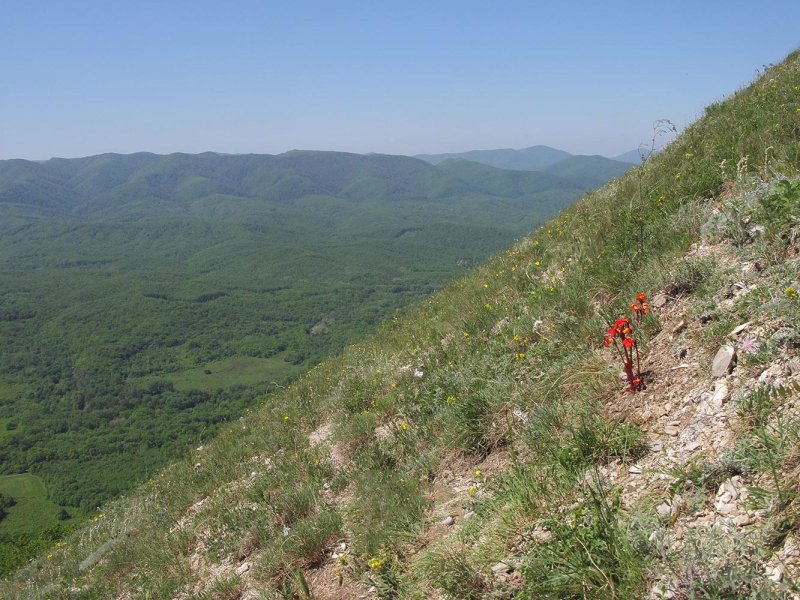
721,394
659,300
724,361
739,329
502,568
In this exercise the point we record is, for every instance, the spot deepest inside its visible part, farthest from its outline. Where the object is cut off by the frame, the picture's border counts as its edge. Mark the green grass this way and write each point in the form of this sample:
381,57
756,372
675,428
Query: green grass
33,510
227,372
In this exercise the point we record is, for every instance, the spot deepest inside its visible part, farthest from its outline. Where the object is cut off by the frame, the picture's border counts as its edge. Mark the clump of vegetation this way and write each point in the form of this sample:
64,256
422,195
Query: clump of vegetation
589,554
6,502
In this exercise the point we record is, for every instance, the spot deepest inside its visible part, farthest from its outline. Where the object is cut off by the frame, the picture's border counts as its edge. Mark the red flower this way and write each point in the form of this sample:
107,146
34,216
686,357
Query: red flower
641,297
609,341
628,342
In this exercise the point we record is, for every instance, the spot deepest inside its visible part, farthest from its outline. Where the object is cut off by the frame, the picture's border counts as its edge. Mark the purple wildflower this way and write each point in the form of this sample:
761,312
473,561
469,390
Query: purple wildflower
749,345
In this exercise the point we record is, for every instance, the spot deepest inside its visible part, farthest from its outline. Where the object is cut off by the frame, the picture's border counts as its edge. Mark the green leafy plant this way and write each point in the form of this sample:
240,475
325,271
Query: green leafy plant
780,209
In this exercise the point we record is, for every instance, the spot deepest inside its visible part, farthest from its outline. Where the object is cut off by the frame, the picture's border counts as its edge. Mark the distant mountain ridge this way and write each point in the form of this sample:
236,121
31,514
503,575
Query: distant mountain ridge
121,186
534,158
585,171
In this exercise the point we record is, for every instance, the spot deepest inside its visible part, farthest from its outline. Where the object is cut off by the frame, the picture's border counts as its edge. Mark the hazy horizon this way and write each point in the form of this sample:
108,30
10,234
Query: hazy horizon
91,78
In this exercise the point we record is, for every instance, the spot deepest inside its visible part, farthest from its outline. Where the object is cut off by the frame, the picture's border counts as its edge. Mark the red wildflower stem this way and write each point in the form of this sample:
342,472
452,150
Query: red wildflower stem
620,352
629,374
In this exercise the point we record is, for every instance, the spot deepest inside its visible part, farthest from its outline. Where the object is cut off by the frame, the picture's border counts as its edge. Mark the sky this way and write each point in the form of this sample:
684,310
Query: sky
86,77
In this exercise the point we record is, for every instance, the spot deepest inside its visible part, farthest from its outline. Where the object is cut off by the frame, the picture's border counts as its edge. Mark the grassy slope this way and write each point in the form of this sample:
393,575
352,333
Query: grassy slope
32,509
472,371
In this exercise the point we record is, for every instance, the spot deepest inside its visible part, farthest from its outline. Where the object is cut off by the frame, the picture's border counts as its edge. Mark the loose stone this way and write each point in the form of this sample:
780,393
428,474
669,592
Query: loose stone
723,361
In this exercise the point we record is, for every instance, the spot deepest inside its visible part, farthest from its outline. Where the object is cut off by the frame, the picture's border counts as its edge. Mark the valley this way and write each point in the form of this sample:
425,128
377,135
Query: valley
146,300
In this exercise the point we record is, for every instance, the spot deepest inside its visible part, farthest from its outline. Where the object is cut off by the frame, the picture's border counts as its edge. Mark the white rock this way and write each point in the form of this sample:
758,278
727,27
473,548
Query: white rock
726,509
635,470
777,573
659,300
692,446
664,509
724,361
739,329
242,568
671,430
502,567
742,520
721,391
448,521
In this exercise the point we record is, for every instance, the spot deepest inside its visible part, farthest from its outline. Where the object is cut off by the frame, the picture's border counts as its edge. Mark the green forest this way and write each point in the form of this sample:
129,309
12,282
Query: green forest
145,300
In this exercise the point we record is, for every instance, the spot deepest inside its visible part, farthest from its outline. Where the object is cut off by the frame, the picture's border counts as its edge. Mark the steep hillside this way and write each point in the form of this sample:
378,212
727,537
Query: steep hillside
633,157
486,445
588,171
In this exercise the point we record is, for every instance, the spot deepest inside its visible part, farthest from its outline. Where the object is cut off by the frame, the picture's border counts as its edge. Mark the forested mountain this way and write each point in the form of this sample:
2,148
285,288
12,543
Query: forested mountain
146,299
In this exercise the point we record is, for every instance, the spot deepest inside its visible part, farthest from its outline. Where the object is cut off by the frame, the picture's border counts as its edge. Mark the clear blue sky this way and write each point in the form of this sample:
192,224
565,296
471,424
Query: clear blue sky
86,77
